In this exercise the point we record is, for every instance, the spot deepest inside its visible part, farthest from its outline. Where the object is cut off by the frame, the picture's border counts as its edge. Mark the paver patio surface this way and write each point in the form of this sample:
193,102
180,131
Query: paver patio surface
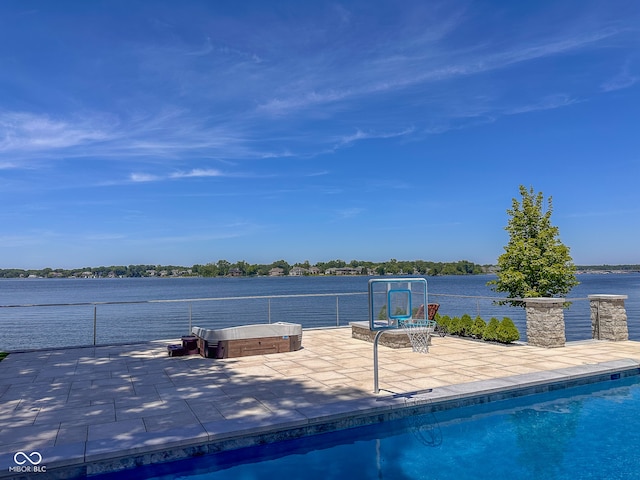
83,405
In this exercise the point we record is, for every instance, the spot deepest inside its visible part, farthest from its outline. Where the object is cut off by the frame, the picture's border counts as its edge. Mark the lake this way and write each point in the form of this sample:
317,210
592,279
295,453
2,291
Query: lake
177,304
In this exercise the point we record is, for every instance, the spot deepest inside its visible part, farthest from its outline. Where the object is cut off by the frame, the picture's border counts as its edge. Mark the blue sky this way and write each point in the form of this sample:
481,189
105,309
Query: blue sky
186,132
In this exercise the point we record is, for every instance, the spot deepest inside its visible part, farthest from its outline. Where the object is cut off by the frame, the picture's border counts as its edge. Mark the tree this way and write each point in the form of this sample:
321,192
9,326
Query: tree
223,267
535,262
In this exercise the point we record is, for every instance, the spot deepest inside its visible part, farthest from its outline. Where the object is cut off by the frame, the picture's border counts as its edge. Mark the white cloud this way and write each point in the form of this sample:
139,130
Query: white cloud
197,172
32,132
352,212
138,177
144,177
362,135
622,80
548,103
100,237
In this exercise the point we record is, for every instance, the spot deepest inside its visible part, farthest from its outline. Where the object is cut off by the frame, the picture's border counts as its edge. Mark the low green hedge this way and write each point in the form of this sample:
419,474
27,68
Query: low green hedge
3,355
503,331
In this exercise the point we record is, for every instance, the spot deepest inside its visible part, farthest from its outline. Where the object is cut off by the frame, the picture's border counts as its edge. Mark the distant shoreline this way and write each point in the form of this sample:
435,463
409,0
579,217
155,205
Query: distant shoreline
281,268
35,277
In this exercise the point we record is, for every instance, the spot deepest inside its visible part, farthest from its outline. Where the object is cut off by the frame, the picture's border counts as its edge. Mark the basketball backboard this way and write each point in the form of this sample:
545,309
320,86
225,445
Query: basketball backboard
395,300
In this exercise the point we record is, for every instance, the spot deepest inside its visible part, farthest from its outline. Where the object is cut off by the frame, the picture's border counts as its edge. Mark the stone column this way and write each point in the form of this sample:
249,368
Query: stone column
545,322
608,317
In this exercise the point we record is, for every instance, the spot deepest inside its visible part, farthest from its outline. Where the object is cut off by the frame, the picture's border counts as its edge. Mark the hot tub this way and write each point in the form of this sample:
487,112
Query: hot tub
245,340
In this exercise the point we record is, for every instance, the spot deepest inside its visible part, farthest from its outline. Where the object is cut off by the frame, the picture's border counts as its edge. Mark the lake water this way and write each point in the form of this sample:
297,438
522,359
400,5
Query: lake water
62,325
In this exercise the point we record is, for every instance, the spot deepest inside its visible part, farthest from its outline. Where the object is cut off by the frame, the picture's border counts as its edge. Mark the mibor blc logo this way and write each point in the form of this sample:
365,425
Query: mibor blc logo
25,463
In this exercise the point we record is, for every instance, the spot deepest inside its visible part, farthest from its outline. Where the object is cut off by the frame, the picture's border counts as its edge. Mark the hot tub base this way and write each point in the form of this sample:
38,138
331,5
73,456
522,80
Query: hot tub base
246,340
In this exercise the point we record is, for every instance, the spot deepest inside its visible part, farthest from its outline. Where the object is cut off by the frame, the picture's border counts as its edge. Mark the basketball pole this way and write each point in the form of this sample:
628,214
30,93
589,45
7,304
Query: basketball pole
376,389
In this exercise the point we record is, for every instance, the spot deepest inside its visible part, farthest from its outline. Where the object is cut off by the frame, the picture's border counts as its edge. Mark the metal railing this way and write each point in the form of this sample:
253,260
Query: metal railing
37,326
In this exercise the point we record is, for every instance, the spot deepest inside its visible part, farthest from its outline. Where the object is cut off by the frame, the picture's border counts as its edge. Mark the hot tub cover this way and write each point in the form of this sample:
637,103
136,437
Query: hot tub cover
278,329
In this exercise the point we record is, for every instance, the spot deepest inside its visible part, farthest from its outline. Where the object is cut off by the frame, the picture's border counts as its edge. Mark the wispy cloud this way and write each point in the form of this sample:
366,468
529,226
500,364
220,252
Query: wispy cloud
22,131
624,79
347,213
548,103
104,237
367,135
264,98
197,172
144,177
388,72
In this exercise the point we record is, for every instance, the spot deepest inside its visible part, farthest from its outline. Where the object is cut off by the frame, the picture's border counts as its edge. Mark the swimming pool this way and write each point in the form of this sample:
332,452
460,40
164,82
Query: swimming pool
590,431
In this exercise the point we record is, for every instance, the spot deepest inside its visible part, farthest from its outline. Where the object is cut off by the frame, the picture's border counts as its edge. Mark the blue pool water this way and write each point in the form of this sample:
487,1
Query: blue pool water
586,432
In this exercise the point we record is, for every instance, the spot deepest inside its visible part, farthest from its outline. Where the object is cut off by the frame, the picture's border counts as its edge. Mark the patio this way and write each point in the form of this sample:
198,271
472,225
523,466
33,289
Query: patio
94,409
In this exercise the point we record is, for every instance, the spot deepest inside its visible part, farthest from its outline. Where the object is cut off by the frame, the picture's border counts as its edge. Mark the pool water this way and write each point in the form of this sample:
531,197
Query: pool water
586,432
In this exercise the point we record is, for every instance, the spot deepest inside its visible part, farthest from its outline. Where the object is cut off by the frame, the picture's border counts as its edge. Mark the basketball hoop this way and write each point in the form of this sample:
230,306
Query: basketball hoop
419,332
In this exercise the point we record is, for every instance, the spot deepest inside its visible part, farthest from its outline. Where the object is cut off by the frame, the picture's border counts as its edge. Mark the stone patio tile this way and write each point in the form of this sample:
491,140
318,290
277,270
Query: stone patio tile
117,381
13,379
94,392
243,408
205,411
71,434
170,421
76,415
119,430
36,433
143,407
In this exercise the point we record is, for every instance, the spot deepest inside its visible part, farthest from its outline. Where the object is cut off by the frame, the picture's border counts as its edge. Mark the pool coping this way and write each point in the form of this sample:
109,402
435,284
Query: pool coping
109,455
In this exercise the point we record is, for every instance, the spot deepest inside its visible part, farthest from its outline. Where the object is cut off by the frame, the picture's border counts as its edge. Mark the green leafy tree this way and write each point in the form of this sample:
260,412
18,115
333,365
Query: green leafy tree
223,267
535,262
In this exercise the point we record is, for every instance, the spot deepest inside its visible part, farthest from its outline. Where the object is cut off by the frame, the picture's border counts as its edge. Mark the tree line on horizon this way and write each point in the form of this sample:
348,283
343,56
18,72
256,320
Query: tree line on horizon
223,268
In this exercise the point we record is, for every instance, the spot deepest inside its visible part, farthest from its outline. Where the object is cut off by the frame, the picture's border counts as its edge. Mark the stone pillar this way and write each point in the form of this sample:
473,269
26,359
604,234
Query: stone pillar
608,317
545,322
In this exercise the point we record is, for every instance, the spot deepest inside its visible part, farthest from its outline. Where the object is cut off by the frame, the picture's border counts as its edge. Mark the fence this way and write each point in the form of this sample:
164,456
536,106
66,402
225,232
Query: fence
24,327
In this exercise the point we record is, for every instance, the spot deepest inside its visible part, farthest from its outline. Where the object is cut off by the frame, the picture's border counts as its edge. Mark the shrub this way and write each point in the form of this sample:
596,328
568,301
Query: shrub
507,331
466,324
479,325
455,326
491,331
443,323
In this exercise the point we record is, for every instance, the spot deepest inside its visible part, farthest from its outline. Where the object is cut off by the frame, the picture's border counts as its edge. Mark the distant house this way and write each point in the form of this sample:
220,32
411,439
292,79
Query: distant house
276,272
314,271
298,271
343,271
235,272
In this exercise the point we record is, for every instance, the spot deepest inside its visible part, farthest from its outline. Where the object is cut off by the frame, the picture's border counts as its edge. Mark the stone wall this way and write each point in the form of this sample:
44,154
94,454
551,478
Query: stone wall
391,338
608,317
545,322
